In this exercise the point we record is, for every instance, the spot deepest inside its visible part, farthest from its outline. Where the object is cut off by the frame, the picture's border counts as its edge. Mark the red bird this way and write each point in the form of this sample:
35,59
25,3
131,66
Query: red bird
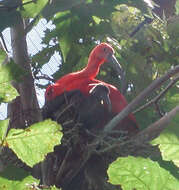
84,81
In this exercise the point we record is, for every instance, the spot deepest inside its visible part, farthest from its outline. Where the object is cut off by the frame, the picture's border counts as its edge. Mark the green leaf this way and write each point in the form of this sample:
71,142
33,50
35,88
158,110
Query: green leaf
65,46
43,56
2,56
14,178
177,7
63,21
59,6
8,18
140,174
140,4
33,9
7,92
96,19
3,129
8,72
168,142
32,144
12,71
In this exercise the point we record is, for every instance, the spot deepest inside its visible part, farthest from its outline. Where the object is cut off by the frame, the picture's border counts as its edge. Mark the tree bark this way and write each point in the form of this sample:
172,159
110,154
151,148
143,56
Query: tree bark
24,110
166,7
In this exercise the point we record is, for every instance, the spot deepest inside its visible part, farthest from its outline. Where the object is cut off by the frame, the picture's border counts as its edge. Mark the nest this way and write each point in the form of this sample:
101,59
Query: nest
82,159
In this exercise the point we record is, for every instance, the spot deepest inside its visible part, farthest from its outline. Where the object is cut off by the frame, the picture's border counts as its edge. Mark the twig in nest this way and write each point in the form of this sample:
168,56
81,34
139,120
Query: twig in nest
86,155
59,114
158,97
63,165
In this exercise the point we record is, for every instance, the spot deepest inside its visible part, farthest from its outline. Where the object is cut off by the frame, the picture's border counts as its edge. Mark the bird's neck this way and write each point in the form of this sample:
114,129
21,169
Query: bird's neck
92,68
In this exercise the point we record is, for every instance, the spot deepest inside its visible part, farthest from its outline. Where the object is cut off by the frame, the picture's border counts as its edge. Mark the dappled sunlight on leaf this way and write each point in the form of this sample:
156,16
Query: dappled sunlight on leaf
141,174
32,144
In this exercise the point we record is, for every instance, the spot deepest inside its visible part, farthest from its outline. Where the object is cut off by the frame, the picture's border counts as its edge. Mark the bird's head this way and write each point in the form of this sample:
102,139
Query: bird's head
50,93
101,92
105,53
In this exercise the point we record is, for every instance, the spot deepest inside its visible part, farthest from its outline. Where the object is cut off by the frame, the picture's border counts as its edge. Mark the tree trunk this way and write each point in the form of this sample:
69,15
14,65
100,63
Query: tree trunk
24,110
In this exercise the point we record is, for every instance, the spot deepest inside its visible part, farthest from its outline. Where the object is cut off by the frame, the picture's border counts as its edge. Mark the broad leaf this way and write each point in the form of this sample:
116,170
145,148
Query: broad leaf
168,142
33,9
63,21
140,174
177,7
59,6
32,144
7,91
15,178
12,71
8,18
3,129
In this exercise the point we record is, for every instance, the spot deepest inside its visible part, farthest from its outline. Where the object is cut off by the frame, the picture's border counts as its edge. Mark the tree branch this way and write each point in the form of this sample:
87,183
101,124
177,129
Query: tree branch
145,136
26,89
160,95
46,77
130,107
31,24
4,43
154,130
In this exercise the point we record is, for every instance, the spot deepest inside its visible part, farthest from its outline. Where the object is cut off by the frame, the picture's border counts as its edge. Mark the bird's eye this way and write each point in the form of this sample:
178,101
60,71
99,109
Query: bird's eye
50,92
105,49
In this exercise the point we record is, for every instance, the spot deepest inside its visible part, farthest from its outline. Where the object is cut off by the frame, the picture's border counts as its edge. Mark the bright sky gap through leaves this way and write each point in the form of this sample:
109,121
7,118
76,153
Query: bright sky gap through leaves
34,46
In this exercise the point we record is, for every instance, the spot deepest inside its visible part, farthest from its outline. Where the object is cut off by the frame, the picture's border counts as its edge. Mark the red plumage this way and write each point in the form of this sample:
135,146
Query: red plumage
84,81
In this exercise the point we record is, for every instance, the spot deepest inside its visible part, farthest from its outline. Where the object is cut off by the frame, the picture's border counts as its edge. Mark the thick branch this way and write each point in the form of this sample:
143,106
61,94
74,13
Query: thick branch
46,77
157,98
145,93
156,128
148,134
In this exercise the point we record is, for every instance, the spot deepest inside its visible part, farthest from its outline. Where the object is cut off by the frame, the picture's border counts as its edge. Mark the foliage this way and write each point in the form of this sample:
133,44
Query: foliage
177,7
79,26
8,72
14,178
168,141
140,173
33,9
30,146
25,142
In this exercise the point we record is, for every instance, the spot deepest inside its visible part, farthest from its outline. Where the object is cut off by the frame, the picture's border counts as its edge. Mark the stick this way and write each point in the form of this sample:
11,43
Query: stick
145,93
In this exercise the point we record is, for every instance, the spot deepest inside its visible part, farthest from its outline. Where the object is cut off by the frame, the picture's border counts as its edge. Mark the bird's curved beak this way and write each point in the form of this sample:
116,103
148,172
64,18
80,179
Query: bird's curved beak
116,65
106,100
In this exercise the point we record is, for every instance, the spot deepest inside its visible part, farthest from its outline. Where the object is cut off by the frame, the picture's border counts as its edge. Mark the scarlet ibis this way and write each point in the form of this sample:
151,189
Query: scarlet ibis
84,81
